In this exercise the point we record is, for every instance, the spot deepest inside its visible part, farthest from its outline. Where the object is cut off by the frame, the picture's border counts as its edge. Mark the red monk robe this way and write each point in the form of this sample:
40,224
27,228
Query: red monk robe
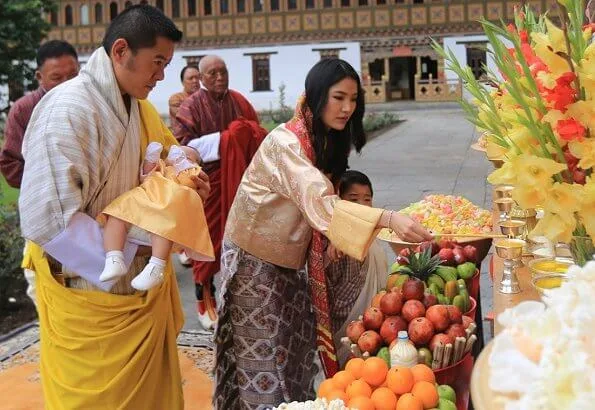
199,115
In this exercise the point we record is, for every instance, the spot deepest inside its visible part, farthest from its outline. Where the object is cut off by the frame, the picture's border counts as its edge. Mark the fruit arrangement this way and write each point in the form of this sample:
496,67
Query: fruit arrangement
372,385
450,214
446,268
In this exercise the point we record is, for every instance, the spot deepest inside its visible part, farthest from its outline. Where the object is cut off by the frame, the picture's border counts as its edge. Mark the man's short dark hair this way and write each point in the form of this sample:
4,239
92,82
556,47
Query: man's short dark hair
140,25
184,71
54,49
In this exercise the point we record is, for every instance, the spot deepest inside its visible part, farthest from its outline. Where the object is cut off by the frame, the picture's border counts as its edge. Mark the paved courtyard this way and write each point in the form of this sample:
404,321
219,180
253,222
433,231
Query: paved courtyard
428,153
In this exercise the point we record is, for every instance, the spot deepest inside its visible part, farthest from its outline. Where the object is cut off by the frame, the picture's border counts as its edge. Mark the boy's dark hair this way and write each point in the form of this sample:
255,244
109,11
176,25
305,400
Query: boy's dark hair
352,177
54,49
332,147
184,71
140,25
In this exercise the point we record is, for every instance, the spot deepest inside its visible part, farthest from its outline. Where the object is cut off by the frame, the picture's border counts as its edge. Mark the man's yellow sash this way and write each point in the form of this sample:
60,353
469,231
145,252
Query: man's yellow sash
106,351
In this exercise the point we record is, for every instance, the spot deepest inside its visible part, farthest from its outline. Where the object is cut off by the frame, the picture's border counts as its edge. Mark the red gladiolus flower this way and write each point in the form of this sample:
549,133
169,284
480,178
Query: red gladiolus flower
570,130
524,36
566,79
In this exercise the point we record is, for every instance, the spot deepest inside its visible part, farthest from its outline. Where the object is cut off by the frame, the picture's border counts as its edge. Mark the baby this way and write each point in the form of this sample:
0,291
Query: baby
165,205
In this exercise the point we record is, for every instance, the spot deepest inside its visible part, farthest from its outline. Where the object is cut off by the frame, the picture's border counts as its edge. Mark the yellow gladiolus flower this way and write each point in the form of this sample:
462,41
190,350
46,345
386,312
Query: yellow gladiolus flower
585,151
563,198
584,112
536,171
547,79
556,37
529,196
543,49
555,227
505,175
587,209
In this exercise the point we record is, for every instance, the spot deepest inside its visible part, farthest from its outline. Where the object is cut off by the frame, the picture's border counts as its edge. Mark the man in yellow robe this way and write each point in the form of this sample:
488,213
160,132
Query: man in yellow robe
102,345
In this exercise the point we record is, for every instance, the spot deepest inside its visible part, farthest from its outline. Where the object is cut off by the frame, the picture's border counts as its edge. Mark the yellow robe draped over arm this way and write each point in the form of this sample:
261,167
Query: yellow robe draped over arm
114,351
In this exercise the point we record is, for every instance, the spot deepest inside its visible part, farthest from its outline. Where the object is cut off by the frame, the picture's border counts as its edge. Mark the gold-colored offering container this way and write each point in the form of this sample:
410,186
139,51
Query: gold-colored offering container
511,251
504,206
528,216
503,191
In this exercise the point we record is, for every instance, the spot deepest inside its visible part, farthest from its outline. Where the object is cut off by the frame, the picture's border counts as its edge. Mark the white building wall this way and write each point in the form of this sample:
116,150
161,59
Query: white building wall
289,66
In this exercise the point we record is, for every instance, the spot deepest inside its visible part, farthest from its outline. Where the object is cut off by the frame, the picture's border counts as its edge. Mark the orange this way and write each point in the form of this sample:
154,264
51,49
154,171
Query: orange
374,371
342,379
400,380
355,366
384,399
337,394
361,403
423,372
325,387
427,393
409,402
358,388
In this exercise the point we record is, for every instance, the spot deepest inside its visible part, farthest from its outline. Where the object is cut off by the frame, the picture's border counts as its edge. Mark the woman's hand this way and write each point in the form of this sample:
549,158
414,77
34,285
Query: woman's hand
333,253
408,229
203,187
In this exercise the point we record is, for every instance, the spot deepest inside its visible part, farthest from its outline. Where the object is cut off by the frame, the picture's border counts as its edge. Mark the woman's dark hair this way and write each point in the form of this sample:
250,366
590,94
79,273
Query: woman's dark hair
350,178
140,25
332,147
184,71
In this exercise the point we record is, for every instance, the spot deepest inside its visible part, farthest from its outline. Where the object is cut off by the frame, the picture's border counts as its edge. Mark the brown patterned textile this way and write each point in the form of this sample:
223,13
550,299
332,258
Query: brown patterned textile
266,337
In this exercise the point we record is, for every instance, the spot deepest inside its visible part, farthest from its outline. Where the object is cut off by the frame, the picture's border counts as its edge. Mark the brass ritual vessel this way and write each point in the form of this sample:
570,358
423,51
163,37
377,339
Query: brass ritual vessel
511,251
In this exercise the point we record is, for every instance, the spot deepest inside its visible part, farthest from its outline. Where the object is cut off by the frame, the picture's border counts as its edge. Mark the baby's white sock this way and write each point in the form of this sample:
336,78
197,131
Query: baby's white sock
157,261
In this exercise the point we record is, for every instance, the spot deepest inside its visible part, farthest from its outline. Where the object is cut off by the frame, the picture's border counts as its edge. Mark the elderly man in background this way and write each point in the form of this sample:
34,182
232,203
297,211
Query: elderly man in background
57,62
201,120
191,83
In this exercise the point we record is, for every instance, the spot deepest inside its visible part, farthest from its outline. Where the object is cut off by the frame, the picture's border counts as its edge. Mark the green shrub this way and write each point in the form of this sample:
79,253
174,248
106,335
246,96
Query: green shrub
12,281
374,121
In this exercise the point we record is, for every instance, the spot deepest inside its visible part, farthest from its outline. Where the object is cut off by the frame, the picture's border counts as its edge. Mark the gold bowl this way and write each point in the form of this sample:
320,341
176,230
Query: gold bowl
509,248
549,266
497,162
511,227
504,204
548,282
504,191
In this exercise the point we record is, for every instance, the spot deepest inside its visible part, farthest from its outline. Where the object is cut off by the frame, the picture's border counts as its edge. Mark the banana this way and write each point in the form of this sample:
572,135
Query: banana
447,273
434,289
436,280
442,300
462,284
459,301
465,295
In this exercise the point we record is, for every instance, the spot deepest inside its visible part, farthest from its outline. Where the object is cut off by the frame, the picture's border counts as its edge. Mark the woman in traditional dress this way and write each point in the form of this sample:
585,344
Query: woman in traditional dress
271,314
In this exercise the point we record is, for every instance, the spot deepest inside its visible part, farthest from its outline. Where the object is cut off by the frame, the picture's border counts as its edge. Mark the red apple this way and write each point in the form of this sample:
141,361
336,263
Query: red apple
456,330
373,318
354,330
454,314
440,338
412,309
447,256
438,315
470,253
390,328
370,342
444,243
420,331
376,299
459,256
391,303
413,289
430,300
467,321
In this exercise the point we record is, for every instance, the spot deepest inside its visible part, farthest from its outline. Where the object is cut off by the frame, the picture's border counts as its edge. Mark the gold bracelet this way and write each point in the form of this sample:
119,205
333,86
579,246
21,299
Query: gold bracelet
390,217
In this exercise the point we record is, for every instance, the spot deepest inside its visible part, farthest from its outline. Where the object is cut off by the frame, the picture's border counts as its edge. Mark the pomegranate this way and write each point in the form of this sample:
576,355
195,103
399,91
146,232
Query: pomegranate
376,299
373,318
440,338
354,330
438,315
370,342
413,308
459,256
391,303
390,328
446,243
456,330
447,256
454,314
413,289
470,253
430,300
420,331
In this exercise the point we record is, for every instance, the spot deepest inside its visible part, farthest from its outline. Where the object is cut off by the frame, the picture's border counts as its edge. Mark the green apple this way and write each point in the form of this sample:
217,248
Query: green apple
444,404
447,392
